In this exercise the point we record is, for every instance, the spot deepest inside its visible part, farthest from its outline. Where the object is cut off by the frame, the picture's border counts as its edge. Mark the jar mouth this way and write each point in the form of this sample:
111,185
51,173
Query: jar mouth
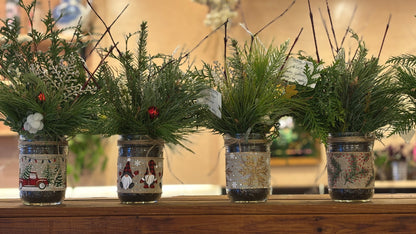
345,134
133,137
350,134
44,140
257,136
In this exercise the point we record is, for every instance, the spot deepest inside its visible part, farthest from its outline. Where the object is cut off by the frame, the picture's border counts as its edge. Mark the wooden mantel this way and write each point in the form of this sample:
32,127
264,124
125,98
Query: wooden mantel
210,214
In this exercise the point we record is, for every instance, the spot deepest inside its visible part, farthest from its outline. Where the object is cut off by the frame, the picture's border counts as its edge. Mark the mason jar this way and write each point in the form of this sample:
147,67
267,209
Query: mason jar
247,168
42,171
140,169
350,166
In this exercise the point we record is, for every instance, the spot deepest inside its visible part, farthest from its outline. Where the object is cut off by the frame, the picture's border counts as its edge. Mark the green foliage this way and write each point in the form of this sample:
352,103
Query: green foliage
58,181
254,96
48,82
88,152
26,172
47,173
405,72
150,95
353,96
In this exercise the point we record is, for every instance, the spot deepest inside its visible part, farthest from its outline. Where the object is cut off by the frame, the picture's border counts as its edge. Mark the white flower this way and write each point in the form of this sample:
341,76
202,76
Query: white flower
34,123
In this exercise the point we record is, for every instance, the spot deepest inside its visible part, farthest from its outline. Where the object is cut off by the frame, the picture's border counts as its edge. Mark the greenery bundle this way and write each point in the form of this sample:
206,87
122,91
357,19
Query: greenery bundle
43,92
254,95
150,95
358,95
405,72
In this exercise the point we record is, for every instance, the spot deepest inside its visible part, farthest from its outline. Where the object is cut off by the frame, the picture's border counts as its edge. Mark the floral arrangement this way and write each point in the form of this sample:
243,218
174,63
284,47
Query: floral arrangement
355,95
150,95
254,94
44,92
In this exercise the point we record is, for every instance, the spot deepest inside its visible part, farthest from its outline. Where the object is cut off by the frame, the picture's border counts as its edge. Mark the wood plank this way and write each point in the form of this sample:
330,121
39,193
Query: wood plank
214,205
325,223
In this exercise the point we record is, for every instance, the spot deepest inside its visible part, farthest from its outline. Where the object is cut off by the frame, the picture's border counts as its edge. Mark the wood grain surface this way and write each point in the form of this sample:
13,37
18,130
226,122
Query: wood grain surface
209,214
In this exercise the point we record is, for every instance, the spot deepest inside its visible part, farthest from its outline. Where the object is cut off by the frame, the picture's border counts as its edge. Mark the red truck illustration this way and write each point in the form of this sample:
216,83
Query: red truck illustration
33,181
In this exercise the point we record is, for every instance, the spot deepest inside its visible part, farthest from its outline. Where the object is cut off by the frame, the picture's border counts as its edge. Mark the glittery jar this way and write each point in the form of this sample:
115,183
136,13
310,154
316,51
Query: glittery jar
247,168
42,171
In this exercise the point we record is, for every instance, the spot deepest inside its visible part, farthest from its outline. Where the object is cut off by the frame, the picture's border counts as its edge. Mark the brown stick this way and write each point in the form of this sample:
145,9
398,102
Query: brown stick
107,28
291,48
332,26
195,47
225,51
268,24
348,28
313,30
327,33
203,39
384,37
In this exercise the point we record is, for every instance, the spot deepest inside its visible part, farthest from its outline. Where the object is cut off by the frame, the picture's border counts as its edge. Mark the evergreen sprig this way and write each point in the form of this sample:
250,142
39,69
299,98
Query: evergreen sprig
254,95
405,72
46,81
359,95
150,95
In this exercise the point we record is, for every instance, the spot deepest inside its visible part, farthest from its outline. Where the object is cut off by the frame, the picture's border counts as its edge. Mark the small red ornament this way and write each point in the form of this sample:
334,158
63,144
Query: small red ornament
153,112
41,97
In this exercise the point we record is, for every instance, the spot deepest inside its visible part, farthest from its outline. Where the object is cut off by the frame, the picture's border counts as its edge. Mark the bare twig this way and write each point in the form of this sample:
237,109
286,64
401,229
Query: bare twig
91,75
332,26
384,36
349,25
195,47
107,28
268,24
327,33
203,39
283,13
225,51
313,30
243,16
356,52
291,48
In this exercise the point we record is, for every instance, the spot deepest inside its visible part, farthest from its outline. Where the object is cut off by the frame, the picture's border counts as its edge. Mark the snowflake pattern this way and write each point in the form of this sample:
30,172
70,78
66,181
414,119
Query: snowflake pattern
138,163
245,170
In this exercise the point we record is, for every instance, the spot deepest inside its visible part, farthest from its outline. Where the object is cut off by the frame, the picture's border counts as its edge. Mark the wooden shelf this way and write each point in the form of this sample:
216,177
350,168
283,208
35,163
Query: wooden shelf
282,213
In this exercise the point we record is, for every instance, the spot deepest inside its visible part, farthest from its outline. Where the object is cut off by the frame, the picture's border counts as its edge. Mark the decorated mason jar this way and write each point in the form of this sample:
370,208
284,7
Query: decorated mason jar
247,168
350,166
42,171
140,169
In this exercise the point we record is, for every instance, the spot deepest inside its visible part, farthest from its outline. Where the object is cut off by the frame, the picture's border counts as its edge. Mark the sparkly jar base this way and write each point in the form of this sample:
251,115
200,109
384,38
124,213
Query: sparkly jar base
248,195
139,198
42,198
351,195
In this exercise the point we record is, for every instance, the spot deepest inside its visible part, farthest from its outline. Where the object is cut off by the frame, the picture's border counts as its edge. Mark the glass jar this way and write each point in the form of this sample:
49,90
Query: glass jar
247,168
350,165
140,169
42,171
